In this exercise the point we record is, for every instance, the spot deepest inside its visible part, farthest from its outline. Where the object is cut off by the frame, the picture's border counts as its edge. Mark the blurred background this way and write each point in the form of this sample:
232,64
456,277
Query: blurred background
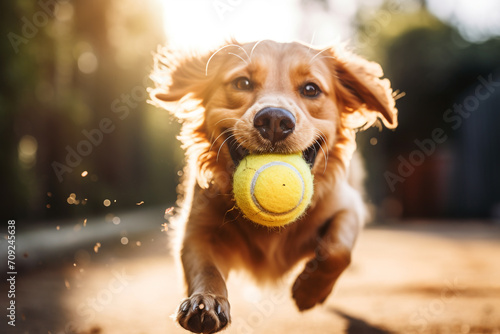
75,73
88,167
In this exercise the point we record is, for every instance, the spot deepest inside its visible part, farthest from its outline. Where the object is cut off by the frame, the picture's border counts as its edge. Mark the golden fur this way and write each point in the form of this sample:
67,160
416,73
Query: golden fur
199,90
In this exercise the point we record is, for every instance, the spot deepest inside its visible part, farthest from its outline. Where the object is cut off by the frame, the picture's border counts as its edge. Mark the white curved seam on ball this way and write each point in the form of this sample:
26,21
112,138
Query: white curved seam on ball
254,181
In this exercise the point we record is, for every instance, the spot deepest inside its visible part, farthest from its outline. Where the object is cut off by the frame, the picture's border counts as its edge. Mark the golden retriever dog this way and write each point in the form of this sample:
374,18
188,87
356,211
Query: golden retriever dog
258,98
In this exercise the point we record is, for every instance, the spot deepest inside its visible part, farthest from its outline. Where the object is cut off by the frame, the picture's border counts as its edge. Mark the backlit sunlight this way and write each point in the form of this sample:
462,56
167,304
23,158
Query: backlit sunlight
196,25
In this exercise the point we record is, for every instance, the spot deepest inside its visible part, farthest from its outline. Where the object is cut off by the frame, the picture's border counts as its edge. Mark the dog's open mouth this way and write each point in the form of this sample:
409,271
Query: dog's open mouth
238,152
311,153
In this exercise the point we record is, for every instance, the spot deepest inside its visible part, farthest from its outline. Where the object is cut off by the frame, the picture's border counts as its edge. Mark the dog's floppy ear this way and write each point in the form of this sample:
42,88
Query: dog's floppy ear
365,96
182,81
183,84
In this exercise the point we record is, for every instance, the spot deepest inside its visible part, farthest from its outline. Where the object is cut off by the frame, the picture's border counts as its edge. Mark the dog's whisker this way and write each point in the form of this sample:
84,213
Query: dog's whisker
245,141
317,54
312,41
326,159
227,119
248,57
253,48
218,152
220,49
223,133
324,154
212,141
234,54
222,120
241,144
234,142
323,137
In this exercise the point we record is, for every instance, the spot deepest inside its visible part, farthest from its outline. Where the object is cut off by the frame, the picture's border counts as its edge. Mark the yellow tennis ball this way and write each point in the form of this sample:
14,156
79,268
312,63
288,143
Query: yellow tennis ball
273,189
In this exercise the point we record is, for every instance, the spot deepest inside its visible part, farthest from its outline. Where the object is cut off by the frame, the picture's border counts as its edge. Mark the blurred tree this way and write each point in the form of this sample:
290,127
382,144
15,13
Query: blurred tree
74,99
17,88
437,69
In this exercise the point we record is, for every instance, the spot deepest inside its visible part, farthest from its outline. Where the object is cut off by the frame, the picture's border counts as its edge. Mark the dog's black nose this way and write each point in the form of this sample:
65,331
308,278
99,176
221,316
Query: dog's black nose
274,124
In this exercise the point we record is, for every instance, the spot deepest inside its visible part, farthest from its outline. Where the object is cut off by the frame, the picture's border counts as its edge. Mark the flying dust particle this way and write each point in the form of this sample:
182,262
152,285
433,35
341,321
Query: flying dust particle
85,222
58,227
66,283
85,173
106,202
138,243
71,199
116,220
124,240
140,203
97,246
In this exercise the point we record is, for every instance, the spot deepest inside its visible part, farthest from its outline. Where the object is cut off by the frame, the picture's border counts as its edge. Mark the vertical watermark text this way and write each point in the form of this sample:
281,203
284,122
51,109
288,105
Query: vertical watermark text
11,272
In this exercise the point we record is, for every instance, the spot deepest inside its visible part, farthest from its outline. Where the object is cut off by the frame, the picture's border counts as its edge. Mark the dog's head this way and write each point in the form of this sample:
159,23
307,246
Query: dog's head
271,97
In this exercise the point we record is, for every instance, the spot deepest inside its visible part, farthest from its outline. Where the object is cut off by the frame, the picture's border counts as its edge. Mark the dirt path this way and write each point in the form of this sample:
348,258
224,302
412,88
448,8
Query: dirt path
415,278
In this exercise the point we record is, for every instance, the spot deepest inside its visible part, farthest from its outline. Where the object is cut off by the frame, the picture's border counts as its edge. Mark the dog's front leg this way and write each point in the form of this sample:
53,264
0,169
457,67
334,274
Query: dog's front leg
206,310
332,256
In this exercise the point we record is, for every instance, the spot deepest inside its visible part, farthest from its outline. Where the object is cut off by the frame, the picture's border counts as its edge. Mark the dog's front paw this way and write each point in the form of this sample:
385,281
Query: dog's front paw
204,313
310,289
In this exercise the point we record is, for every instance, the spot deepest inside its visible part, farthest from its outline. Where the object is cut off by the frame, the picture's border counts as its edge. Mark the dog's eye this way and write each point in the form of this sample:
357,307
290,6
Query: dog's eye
242,83
311,90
